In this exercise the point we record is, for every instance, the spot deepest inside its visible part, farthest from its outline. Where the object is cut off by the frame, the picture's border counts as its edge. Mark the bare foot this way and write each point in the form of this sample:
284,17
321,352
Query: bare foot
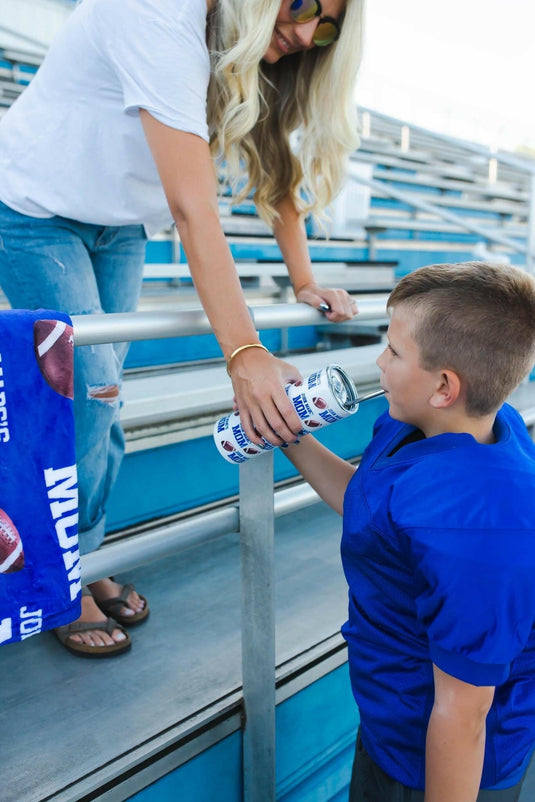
108,589
95,637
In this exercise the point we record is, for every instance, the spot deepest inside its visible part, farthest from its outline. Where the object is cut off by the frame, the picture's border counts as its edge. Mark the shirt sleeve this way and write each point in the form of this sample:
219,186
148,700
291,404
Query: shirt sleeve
473,566
161,61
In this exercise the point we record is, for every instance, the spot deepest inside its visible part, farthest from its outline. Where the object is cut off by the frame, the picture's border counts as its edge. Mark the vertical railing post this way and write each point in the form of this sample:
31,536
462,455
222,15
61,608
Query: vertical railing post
258,627
530,256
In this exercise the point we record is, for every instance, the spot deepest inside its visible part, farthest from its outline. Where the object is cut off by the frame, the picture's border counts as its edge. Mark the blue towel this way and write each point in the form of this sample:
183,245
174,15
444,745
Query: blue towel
40,585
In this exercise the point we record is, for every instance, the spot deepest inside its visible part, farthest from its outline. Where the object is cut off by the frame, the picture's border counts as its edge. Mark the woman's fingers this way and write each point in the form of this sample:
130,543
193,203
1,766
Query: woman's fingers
341,305
273,429
273,419
265,409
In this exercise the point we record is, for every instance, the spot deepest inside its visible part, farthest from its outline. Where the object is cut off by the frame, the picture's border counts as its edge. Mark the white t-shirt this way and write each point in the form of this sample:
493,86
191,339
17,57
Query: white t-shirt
73,143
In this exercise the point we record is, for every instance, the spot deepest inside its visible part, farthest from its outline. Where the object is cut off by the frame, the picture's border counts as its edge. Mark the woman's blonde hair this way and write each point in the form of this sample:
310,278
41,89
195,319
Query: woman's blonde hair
254,107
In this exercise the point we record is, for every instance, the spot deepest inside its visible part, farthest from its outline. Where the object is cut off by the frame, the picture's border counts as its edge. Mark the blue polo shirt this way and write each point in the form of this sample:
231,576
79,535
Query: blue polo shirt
438,550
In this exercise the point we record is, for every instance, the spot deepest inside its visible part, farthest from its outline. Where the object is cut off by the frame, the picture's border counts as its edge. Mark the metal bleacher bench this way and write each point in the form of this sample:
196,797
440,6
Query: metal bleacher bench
350,276
478,186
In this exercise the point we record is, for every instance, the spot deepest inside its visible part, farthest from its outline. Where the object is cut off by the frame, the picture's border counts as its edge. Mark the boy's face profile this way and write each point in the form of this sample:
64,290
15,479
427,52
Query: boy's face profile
408,387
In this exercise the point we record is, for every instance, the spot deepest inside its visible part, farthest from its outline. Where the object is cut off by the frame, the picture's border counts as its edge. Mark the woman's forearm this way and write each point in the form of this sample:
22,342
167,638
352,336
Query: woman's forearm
290,233
291,237
187,173
216,280
188,177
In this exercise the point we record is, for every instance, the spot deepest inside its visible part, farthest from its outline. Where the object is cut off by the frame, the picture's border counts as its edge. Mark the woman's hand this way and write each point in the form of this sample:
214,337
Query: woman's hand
341,305
258,379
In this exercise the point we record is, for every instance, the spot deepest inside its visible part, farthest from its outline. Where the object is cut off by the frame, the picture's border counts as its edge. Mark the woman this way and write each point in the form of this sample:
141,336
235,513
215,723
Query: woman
116,137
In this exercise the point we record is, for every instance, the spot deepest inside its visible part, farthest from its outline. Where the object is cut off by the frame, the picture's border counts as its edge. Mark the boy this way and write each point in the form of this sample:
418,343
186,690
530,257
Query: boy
438,544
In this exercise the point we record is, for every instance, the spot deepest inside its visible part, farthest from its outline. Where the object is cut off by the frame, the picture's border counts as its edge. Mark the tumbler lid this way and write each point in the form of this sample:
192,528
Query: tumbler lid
343,388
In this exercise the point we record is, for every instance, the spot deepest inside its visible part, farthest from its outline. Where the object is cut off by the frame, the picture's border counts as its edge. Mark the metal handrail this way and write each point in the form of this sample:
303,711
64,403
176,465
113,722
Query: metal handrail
180,536
162,542
130,326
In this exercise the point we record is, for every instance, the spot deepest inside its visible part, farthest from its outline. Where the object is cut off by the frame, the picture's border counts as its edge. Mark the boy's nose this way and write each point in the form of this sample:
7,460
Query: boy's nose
304,32
379,360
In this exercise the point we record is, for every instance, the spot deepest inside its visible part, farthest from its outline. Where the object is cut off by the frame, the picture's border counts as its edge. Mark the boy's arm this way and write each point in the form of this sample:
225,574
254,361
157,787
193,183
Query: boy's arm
455,744
328,474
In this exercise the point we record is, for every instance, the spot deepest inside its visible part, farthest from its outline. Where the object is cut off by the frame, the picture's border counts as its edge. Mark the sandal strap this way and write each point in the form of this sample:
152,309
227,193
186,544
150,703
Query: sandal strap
86,626
125,592
117,601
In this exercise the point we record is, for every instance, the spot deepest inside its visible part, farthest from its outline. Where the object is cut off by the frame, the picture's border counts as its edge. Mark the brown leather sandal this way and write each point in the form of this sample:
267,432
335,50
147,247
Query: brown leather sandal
112,607
64,635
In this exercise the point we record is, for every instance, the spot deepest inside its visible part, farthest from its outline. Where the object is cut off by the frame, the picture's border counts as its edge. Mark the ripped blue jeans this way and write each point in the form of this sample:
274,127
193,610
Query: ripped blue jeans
80,268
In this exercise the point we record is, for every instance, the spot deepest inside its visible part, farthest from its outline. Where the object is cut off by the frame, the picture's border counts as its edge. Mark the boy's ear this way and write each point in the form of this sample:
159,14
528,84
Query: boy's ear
448,390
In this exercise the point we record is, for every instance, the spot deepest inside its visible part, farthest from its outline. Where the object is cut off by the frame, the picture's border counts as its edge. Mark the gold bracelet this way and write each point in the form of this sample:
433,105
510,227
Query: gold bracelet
242,348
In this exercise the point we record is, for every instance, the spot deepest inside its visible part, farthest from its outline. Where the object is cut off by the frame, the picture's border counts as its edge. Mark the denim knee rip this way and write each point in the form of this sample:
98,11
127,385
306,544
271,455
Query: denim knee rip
106,393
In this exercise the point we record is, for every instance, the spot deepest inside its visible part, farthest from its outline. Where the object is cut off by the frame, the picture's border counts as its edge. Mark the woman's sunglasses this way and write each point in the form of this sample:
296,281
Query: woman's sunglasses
328,29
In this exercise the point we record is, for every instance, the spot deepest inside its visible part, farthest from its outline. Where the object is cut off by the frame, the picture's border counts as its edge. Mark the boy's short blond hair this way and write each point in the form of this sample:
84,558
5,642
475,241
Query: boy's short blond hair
477,319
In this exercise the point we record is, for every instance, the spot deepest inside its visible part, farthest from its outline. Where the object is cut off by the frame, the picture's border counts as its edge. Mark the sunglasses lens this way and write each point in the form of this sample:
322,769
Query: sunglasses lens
325,34
305,10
